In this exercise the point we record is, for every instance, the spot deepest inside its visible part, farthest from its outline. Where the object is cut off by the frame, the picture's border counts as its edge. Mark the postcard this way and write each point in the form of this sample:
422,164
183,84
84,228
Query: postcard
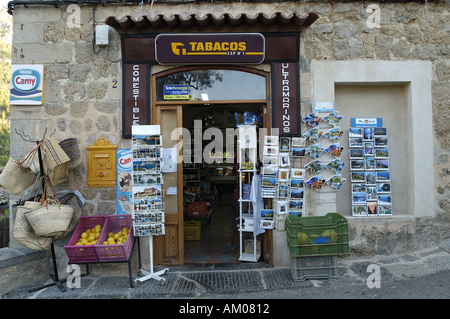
283,191
371,192
335,165
358,187
146,191
356,165
267,224
359,210
314,150
384,210
355,142
383,176
336,181
379,131
356,153
334,150
333,118
382,164
298,141
298,151
267,213
367,133
146,140
285,143
383,187
270,150
284,159
270,170
312,119
368,149
270,140
297,193
359,198
297,173
370,178
358,177
381,142
269,160
315,166
283,175
282,207
315,182
146,166
314,135
355,132
296,213
382,153
295,205
385,199
269,181
333,134
147,179
369,163
372,209
269,192
297,182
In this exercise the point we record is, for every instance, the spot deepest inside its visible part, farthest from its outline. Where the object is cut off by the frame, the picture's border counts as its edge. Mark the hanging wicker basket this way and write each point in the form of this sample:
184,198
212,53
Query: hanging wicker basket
70,147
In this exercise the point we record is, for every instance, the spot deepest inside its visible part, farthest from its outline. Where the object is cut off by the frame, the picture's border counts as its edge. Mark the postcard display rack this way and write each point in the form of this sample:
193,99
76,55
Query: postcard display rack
326,164
147,193
369,169
247,149
286,185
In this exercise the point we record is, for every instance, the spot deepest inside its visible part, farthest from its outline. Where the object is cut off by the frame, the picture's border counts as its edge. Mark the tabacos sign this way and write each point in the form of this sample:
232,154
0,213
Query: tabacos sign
199,48
27,83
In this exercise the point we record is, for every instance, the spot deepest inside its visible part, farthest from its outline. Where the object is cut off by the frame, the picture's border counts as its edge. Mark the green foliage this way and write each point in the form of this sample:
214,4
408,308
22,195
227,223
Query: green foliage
5,77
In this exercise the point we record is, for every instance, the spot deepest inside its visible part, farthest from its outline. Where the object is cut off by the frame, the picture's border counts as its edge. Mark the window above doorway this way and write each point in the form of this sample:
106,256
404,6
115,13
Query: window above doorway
214,85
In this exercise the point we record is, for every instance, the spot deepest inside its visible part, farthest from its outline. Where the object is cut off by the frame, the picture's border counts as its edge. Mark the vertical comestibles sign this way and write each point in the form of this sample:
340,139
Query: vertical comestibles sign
136,95
286,99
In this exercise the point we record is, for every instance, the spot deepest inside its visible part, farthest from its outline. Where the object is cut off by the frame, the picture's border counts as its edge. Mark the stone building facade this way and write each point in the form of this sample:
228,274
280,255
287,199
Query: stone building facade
83,91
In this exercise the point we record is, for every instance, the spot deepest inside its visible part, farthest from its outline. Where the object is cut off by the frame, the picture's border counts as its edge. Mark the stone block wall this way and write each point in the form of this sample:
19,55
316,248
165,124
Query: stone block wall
81,102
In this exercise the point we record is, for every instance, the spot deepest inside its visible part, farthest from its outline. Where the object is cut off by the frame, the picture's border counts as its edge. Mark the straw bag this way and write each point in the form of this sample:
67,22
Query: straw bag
51,219
70,147
23,232
15,178
71,200
56,161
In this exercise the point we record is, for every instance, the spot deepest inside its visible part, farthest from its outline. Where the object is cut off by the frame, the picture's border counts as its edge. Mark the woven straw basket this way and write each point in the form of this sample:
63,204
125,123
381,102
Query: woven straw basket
23,232
50,220
56,161
15,178
70,147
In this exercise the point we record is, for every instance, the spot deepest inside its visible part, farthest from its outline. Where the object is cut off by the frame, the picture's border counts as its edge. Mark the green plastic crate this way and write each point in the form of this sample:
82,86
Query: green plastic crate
318,235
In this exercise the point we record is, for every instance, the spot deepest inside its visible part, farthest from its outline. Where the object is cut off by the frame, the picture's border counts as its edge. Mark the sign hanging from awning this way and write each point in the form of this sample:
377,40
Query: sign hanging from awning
206,48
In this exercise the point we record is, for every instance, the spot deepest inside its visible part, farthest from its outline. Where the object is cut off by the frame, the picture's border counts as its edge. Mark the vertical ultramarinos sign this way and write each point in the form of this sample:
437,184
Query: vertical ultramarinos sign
27,85
286,109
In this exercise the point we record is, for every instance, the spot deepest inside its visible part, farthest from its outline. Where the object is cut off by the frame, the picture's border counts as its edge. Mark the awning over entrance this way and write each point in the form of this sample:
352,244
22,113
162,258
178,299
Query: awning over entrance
128,22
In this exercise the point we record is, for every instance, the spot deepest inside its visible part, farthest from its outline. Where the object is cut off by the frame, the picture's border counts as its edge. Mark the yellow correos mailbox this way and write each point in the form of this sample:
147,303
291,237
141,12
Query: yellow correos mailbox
102,166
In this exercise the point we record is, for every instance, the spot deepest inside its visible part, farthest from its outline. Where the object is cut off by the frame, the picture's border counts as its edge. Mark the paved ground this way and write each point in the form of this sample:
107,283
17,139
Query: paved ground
421,274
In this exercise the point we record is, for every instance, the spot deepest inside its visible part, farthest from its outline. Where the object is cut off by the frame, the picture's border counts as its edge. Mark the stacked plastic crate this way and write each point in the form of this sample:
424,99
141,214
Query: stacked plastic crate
315,243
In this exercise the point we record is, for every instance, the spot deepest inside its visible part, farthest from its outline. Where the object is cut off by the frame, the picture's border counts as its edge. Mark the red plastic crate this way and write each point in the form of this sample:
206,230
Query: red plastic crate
197,210
81,254
118,252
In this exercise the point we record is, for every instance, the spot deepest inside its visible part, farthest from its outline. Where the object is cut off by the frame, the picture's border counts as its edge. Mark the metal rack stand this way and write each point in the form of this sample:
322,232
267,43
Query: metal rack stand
54,276
151,274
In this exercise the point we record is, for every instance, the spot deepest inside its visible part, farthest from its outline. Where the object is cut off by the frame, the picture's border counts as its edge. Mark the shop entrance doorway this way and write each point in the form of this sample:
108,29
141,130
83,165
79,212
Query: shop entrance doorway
217,99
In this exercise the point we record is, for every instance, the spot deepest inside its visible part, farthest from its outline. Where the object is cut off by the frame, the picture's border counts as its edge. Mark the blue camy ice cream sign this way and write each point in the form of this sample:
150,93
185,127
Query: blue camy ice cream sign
124,181
27,85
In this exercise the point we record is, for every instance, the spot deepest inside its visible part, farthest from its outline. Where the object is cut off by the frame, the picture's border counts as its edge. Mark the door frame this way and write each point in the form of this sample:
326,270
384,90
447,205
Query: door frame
158,106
